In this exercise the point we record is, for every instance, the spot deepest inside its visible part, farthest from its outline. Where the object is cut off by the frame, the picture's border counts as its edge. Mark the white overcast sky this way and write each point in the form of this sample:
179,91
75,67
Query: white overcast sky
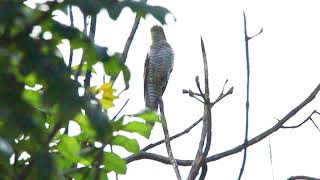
285,61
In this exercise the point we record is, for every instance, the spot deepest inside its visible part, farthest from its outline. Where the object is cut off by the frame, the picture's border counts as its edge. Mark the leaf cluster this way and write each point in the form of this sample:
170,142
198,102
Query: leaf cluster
39,95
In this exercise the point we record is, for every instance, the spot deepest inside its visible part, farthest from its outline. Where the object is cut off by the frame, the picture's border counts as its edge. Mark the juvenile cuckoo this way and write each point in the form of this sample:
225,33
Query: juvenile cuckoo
157,69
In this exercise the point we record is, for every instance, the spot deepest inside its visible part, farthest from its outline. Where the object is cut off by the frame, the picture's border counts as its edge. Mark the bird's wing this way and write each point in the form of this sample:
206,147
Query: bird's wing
146,65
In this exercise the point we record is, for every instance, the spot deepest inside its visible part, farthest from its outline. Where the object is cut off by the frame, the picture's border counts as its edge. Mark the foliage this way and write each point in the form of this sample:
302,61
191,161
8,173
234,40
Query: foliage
39,95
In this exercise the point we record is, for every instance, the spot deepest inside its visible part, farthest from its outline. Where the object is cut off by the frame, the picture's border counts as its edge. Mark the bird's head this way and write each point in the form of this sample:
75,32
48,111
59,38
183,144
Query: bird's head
157,33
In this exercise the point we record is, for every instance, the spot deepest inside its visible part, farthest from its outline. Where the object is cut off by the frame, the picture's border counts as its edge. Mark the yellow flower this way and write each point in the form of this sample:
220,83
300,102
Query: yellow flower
107,95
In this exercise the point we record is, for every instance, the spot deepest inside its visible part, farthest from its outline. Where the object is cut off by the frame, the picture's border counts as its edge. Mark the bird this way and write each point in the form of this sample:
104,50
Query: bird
157,69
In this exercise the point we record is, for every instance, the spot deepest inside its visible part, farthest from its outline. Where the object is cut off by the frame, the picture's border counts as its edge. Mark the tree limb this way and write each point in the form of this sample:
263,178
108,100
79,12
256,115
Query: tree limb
167,141
258,138
246,38
152,145
302,178
206,128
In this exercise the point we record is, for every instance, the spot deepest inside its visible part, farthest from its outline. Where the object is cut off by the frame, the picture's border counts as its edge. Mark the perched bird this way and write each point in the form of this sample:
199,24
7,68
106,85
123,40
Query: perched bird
157,69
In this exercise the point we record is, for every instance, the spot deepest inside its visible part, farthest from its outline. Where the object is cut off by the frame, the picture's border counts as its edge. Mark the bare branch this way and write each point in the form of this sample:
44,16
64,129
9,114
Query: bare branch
302,178
206,128
261,31
128,43
190,92
315,124
256,139
193,94
124,105
246,38
152,145
270,156
298,125
221,96
167,141
204,170
199,87
173,137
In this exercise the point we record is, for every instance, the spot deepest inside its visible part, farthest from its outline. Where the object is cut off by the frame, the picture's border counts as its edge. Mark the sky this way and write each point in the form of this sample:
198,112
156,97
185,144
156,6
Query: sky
284,62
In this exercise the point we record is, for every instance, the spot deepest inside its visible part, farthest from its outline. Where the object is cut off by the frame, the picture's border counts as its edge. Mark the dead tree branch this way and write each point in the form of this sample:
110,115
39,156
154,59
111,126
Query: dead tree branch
300,124
167,141
256,139
246,38
302,178
206,128
152,145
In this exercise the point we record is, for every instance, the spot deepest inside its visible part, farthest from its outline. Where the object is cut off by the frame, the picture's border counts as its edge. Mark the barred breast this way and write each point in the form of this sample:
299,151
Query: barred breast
161,59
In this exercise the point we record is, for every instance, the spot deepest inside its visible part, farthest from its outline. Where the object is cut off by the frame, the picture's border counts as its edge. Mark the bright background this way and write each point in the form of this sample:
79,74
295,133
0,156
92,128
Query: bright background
284,70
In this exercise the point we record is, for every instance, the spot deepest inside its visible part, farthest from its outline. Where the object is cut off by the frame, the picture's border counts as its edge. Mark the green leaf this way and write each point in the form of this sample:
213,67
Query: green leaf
114,162
69,147
148,116
126,75
31,80
32,97
113,66
62,162
138,127
84,69
118,124
158,12
87,130
130,145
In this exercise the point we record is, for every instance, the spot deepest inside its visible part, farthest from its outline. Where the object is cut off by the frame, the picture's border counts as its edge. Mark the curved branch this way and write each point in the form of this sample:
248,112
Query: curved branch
207,122
152,145
276,127
302,178
167,141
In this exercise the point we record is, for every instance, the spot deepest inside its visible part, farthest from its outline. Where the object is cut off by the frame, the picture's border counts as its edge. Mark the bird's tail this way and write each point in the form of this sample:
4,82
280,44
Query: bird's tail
151,104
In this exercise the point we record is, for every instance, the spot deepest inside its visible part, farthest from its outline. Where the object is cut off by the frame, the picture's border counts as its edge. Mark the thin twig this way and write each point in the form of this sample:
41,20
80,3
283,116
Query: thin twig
206,128
199,87
167,141
315,124
300,124
152,145
270,156
221,96
261,31
239,148
70,48
92,33
124,105
191,93
246,38
128,43
82,59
